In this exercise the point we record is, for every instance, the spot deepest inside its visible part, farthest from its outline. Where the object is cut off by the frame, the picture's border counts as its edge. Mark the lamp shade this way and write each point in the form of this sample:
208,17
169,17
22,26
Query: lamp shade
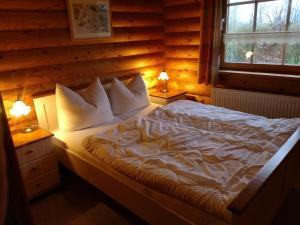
163,76
20,109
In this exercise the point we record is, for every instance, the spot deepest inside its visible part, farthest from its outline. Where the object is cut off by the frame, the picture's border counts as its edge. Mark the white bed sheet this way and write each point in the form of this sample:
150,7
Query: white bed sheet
201,154
73,140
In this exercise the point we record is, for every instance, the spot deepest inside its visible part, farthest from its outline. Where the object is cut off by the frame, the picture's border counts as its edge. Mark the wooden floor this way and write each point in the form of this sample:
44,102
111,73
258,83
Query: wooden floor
76,202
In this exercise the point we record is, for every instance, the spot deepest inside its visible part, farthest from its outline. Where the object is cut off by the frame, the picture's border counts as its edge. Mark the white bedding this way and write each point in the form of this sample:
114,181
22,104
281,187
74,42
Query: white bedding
73,140
202,154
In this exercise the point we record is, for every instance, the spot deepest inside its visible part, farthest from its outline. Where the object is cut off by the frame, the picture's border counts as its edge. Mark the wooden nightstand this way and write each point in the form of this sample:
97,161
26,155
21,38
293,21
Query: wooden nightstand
37,161
161,98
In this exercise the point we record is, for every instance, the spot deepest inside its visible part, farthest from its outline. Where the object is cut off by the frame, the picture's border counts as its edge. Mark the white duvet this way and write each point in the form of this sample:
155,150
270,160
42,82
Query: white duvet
204,155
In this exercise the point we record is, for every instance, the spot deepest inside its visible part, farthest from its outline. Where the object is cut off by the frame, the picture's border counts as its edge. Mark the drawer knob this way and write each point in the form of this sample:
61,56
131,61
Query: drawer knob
29,152
33,169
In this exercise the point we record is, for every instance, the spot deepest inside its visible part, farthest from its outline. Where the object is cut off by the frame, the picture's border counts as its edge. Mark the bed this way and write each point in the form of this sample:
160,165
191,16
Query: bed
275,178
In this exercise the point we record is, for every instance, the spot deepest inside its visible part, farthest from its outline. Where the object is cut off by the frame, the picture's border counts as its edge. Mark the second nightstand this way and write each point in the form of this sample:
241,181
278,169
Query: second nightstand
37,161
161,98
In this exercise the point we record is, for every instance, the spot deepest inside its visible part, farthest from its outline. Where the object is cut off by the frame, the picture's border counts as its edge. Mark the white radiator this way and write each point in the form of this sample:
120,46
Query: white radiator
263,104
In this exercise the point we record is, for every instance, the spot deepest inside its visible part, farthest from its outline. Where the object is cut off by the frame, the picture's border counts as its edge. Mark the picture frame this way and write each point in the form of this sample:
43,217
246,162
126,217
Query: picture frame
89,19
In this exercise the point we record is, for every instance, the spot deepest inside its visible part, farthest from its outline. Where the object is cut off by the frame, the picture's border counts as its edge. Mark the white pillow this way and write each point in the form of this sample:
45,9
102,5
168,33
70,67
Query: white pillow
80,110
125,99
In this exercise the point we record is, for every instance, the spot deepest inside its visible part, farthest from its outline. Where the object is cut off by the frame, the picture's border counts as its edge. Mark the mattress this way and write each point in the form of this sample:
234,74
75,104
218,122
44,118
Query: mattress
73,140
201,154
71,145
192,118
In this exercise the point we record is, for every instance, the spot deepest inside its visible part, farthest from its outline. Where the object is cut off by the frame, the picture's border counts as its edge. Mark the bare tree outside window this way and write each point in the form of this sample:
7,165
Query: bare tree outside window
260,19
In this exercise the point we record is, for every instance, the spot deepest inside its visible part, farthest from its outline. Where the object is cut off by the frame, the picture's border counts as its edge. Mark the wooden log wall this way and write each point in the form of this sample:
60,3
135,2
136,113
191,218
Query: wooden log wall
182,19
36,50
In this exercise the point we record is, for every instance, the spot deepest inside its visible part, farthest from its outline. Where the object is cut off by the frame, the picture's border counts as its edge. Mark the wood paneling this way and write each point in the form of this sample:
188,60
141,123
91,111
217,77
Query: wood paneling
184,75
137,6
77,70
179,2
191,52
187,38
182,44
15,60
141,6
48,5
16,40
182,64
32,20
189,10
192,88
186,25
137,20
44,20
36,50
42,82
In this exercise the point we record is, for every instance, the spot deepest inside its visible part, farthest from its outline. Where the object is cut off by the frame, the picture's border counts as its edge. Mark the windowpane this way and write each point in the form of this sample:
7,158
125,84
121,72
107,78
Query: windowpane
238,53
271,16
266,40
240,18
295,16
268,53
292,56
234,1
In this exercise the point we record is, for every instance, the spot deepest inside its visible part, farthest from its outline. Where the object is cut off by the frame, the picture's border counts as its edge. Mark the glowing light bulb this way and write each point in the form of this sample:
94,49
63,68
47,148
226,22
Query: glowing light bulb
163,76
20,109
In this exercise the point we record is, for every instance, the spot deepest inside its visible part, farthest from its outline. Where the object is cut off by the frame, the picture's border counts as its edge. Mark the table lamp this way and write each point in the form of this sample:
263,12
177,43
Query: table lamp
164,77
19,109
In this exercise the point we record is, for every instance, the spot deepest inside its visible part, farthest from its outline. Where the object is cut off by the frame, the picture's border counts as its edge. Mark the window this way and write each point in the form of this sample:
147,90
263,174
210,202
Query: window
262,34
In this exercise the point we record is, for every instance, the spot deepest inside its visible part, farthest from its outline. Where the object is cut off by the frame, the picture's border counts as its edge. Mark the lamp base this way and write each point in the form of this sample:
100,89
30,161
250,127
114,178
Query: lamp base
28,129
164,90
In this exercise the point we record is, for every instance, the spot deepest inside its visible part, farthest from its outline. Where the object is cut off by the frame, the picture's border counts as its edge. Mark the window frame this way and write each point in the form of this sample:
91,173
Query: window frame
264,68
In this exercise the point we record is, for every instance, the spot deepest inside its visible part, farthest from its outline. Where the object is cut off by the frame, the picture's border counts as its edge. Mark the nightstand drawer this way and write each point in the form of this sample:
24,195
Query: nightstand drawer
41,184
37,161
38,167
36,186
34,150
31,170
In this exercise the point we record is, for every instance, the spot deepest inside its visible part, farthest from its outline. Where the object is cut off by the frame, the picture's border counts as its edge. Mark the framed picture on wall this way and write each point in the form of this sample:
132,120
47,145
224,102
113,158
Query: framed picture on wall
89,19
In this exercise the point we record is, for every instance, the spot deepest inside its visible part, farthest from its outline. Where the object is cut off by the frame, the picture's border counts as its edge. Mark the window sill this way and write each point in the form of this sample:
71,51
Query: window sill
262,82
275,75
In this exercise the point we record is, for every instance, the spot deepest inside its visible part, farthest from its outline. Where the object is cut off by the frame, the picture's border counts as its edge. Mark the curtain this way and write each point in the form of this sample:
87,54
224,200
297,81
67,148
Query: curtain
3,178
17,206
209,39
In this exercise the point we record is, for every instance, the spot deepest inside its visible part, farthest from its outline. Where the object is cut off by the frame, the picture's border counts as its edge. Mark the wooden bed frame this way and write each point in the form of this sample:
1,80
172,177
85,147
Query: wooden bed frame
257,204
